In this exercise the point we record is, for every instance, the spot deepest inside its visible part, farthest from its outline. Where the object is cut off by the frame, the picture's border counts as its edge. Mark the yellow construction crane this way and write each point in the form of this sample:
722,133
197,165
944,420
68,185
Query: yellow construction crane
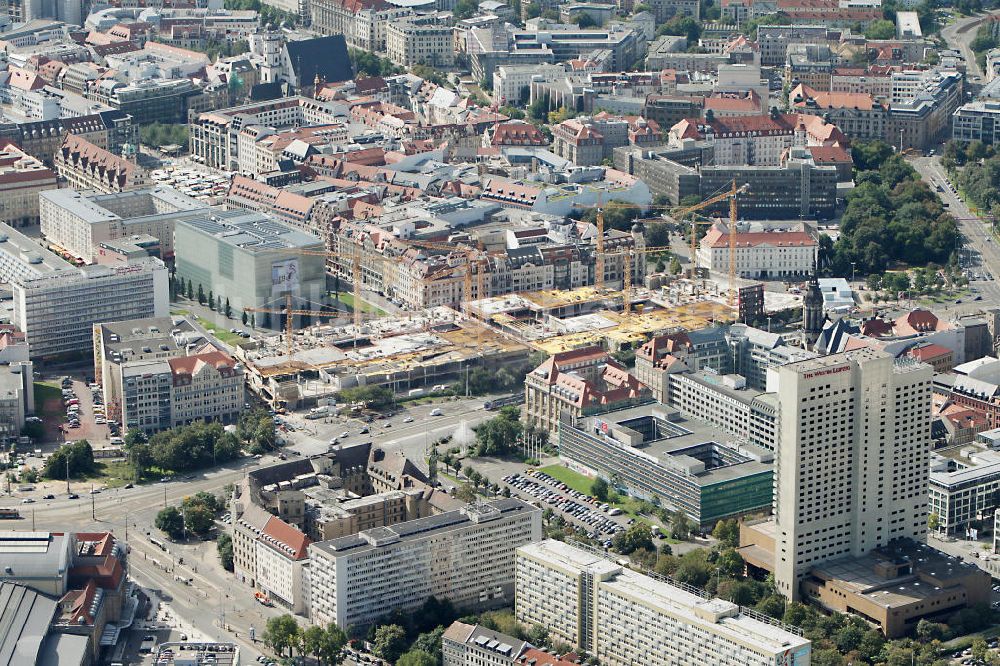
289,313
356,280
476,259
678,212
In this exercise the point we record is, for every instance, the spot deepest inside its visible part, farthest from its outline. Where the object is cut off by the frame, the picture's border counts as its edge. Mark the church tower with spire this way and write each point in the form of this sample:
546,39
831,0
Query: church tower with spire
812,310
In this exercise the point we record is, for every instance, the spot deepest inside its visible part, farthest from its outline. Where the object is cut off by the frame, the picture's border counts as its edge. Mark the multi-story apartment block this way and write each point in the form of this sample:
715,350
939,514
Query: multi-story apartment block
363,23
56,303
588,600
755,351
512,83
160,394
858,115
576,383
588,141
41,139
490,48
464,556
924,109
474,645
422,279
89,167
118,344
803,184
22,178
79,222
282,557
149,100
760,140
665,10
809,64
853,446
774,40
725,402
214,136
964,482
874,80
16,397
424,40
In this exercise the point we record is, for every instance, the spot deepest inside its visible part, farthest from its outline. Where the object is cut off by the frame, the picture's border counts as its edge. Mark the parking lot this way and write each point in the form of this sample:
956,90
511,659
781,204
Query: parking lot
575,507
965,658
85,413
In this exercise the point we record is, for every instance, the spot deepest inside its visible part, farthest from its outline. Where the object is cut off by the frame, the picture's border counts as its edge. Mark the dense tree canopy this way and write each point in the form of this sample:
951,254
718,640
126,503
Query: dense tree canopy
191,447
369,64
892,217
882,29
375,397
80,458
155,135
499,435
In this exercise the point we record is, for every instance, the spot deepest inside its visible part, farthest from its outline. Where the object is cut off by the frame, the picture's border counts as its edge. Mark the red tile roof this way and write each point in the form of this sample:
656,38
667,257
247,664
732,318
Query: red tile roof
184,367
919,321
718,238
518,134
285,538
929,352
537,657
830,155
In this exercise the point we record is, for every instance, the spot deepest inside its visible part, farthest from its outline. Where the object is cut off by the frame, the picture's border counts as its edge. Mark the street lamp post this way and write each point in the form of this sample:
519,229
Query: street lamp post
852,271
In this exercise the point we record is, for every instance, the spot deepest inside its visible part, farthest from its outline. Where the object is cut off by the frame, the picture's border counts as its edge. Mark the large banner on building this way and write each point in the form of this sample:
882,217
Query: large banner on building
285,276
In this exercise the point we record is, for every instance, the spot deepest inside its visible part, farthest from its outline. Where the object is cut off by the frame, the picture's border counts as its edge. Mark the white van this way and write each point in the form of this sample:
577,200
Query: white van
436,412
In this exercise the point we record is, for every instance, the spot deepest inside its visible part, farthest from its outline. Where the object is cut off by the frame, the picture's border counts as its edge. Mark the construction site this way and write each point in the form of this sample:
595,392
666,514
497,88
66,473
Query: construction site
556,321
431,347
417,351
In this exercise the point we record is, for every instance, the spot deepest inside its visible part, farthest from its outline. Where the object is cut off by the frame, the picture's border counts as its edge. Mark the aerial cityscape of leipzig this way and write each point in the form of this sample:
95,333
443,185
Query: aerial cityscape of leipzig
500,332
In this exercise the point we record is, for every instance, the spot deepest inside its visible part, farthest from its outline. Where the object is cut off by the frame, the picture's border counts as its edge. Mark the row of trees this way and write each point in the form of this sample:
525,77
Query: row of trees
181,449
269,14
892,217
181,287
925,280
284,635
980,183
414,639
373,397
982,43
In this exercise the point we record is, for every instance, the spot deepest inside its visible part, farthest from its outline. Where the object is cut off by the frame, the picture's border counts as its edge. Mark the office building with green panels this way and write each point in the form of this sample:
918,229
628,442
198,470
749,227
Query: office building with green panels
252,260
653,453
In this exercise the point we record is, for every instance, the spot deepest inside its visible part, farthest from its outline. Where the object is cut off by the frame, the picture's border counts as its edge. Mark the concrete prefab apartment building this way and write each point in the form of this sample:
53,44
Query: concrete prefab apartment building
595,604
80,221
854,438
464,556
56,304
253,261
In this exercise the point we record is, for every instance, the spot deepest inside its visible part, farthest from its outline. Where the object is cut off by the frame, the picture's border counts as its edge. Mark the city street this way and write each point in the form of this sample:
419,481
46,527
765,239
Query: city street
130,513
211,597
959,34
980,251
